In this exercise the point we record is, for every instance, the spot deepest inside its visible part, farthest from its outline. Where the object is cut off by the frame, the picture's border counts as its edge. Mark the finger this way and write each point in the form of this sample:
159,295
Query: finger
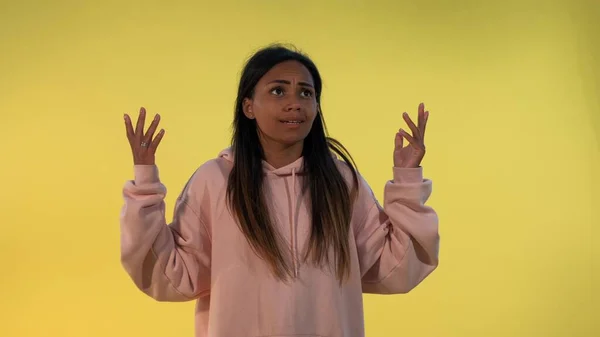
139,129
421,118
157,140
415,131
128,127
425,118
412,141
398,141
150,133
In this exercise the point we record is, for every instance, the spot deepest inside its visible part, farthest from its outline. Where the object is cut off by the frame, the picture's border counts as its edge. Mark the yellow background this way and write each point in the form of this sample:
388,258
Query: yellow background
513,148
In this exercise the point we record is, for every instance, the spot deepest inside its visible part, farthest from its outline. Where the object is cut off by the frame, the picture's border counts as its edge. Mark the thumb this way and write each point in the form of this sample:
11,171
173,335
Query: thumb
398,141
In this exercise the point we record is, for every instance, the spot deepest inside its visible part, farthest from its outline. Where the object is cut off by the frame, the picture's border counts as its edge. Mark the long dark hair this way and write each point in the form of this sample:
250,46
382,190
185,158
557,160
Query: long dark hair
331,197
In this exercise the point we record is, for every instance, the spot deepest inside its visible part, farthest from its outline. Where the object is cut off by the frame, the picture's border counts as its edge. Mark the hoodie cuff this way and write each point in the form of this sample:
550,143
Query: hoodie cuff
145,174
408,175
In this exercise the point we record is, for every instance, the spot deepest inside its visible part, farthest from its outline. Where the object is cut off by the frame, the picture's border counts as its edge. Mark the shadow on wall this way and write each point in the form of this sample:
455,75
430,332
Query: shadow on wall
589,53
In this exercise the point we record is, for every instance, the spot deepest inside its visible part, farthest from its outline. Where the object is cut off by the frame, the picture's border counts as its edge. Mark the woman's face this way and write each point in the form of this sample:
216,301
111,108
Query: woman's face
284,103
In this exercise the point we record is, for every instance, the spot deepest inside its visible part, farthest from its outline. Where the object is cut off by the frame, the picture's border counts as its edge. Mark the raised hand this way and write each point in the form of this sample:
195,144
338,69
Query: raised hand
143,145
410,156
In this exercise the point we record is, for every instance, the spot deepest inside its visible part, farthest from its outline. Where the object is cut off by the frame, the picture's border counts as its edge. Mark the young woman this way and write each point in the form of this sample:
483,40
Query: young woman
279,235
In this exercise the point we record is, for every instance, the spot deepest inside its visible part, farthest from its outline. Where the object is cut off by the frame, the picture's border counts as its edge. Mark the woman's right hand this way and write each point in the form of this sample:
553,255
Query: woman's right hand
143,146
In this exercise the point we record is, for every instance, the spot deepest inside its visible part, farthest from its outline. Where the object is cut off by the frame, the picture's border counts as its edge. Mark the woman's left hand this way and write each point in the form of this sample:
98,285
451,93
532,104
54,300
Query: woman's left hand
410,156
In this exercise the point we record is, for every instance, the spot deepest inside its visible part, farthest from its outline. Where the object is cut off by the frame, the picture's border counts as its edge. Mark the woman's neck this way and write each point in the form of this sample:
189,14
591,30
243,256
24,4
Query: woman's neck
279,155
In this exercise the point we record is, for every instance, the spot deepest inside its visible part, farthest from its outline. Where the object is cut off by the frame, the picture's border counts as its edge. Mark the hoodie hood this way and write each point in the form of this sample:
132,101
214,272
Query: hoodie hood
286,190
290,169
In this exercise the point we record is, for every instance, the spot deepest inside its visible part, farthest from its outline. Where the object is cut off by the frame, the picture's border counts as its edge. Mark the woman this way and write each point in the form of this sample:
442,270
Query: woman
277,236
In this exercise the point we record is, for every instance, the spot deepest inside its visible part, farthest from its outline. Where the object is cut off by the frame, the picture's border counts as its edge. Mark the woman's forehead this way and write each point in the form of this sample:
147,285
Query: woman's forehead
288,71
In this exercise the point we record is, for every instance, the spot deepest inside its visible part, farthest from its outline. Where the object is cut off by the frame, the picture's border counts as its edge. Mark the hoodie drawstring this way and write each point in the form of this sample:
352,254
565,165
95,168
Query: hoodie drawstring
283,172
292,220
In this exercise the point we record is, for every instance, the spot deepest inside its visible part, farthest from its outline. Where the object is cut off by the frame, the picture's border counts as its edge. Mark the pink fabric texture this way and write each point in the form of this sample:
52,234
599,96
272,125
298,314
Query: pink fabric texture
202,255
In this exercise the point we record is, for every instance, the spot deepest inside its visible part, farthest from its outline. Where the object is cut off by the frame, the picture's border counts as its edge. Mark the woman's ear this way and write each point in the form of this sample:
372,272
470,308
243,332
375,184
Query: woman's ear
247,107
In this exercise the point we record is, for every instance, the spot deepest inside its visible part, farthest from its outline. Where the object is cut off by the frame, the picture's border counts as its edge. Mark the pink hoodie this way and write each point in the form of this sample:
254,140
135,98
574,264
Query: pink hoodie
203,256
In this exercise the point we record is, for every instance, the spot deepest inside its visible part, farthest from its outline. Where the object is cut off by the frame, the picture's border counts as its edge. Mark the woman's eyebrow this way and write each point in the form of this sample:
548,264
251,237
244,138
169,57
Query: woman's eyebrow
306,84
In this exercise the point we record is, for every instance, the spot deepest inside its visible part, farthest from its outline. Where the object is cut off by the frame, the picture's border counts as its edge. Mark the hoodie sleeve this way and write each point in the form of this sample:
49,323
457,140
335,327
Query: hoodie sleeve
167,262
398,243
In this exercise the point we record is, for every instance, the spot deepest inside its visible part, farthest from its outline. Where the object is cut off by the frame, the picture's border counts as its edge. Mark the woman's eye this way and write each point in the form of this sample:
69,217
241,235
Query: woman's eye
277,91
307,93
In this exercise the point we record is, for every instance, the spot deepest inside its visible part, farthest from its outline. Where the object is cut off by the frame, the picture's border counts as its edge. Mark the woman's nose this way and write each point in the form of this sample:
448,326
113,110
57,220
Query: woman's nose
293,104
